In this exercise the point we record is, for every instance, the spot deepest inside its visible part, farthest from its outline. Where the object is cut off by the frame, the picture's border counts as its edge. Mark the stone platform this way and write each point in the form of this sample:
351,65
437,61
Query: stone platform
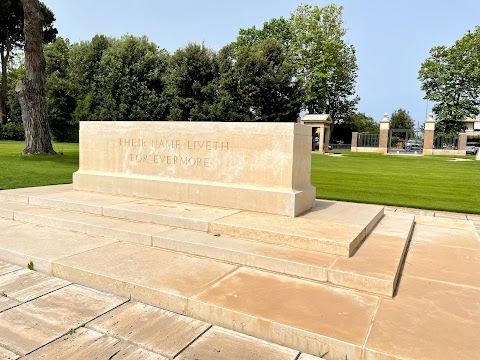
324,281
43,317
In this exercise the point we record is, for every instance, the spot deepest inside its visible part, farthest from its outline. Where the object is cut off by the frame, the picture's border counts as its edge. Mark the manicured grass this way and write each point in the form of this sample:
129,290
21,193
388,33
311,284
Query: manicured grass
430,182
18,171
427,182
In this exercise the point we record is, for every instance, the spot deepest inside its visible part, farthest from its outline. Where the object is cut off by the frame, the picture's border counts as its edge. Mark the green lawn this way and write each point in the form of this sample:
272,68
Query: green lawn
33,170
430,182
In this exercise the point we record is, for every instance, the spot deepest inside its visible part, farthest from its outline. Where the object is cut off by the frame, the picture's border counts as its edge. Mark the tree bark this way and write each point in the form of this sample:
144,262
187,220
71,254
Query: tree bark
31,89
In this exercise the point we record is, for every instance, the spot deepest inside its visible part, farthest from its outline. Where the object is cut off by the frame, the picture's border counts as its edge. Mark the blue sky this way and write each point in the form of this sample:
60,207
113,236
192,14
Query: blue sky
392,38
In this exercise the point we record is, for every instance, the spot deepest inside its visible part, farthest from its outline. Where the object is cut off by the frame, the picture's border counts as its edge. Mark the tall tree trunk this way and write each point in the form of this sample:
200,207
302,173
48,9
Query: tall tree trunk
31,89
3,94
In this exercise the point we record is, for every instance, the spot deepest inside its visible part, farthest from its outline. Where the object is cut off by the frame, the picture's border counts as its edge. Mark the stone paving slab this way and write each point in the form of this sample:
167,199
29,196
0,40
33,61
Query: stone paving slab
8,208
189,216
442,236
440,222
7,354
443,263
221,344
88,344
363,215
6,268
22,194
16,244
306,316
81,201
40,321
7,303
158,330
421,212
426,320
25,285
158,277
93,225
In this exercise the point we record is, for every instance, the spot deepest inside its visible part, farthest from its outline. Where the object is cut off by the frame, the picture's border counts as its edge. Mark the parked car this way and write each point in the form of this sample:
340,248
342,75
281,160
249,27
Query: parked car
472,147
413,145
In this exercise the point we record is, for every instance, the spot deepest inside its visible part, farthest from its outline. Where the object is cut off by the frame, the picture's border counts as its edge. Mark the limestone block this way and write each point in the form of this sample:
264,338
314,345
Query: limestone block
261,167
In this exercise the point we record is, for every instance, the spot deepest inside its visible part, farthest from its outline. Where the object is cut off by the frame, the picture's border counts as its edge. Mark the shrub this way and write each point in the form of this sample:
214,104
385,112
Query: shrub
12,131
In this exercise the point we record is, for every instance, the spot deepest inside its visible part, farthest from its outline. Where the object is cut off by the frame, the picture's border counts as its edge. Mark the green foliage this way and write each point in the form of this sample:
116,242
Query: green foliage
131,81
279,29
16,71
358,122
313,41
12,38
401,120
60,101
194,71
326,62
118,79
30,266
267,82
12,131
451,79
268,74
83,69
71,331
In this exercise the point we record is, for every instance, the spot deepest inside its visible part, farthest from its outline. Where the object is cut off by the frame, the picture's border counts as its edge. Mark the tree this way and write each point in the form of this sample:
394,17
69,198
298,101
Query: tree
118,79
31,89
267,80
194,71
279,29
16,71
358,122
60,101
84,70
401,120
325,61
451,79
12,38
132,81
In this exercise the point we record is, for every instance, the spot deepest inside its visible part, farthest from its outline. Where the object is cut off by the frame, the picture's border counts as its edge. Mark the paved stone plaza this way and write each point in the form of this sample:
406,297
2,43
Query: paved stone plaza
335,279
42,317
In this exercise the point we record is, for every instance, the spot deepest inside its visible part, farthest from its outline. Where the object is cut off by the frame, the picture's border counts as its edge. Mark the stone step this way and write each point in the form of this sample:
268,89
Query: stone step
310,317
331,227
373,269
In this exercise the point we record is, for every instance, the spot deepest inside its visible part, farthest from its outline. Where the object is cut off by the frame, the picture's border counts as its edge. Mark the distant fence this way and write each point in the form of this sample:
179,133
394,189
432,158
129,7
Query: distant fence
364,142
340,146
448,145
368,140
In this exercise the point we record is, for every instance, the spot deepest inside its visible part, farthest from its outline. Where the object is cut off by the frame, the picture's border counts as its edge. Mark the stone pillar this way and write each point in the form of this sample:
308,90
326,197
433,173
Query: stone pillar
327,138
429,135
384,130
354,141
462,144
478,155
321,138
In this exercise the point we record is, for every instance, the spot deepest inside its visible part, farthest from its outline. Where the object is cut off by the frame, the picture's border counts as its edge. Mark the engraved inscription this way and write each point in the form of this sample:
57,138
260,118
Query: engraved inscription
159,151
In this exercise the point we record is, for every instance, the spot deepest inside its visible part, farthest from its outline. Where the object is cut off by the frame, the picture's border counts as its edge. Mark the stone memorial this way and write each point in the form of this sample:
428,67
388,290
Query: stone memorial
262,167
